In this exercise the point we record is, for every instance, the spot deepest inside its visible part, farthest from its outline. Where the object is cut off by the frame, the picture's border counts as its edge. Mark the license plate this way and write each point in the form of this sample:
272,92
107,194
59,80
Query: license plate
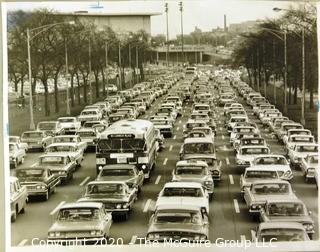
121,160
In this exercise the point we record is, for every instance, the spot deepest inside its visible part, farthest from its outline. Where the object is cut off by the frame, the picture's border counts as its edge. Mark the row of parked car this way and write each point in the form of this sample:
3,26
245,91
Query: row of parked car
265,179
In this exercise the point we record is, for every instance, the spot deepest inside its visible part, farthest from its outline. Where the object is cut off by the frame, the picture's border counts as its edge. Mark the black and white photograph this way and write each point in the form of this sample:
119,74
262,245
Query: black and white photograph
161,124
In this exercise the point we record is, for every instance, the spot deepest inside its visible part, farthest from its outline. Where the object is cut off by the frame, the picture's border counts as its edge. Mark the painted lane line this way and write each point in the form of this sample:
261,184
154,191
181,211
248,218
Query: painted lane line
180,121
57,208
220,128
236,206
223,137
243,238
84,181
170,148
174,137
231,179
34,165
165,161
133,239
146,206
22,243
157,180
227,161
178,128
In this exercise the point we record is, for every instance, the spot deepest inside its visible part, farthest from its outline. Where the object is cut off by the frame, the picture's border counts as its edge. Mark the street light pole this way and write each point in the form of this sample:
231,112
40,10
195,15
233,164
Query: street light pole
137,63
258,68
130,64
119,55
67,77
32,126
285,107
274,74
107,79
167,20
182,42
264,70
303,121
90,85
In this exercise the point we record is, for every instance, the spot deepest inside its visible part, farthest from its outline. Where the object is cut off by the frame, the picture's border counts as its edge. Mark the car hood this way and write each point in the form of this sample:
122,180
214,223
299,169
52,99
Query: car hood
264,198
75,226
193,201
190,178
117,178
276,167
103,198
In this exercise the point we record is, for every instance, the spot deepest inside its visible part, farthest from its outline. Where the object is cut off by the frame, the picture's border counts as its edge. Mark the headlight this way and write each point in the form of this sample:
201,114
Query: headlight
239,161
118,206
150,236
93,232
143,167
308,227
57,233
255,206
125,205
38,187
208,183
51,234
61,172
156,236
43,187
197,237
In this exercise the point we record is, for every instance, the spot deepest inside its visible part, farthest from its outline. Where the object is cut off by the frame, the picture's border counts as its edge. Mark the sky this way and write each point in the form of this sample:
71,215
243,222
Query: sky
205,14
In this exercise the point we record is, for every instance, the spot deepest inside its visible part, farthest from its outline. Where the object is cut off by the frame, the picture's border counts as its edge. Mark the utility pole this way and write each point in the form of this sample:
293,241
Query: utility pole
90,85
137,64
264,70
258,68
130,64
119,55
274,74
32,126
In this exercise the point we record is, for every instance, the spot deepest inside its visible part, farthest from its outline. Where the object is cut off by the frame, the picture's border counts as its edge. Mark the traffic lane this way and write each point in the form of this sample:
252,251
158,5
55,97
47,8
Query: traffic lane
38,211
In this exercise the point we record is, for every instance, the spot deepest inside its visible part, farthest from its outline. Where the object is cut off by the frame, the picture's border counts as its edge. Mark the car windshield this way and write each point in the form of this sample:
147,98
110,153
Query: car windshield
301,139
89,112
47,126
117,172
275,188
253,141
243,130
190,170
200,117
270,161
160,122
84,134
201,108
300,132
305,148
78,214
61,148
200,148
286,209
66,120
30,173
287,127
117,144
182,192
110,189
65,139
90,124
253,151
52,160
237,119
282,234
32,135
314,160
261,174
178,217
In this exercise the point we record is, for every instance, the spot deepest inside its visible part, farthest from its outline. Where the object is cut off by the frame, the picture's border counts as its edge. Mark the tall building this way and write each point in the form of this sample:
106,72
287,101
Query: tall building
119,22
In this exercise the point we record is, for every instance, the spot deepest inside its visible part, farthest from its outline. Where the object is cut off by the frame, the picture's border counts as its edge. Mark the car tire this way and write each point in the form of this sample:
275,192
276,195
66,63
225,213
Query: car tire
14,216
126,216
23,209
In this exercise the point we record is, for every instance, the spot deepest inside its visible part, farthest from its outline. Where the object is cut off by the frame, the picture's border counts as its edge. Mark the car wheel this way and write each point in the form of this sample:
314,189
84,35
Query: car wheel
14,216
23,209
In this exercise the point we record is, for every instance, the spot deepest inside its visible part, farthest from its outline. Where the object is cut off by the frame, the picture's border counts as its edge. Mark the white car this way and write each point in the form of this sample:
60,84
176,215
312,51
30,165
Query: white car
301,151
274,161
71,139
253,174
183,193
247,154
310,166
90,115
16,154
71,149
294,139
17,140
296,132
69,124
88,135
235,119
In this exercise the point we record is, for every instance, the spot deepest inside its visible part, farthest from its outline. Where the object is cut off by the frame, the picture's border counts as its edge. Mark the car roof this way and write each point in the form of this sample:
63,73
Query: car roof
81,204
282,224
63,144
118,166
285,200
106,182
191,163
67,117
270,181
52,154
178,207
183,184
198,140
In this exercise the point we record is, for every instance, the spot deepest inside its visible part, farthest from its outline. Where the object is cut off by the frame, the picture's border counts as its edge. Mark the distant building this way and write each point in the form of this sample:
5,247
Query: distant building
119,22
242,27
